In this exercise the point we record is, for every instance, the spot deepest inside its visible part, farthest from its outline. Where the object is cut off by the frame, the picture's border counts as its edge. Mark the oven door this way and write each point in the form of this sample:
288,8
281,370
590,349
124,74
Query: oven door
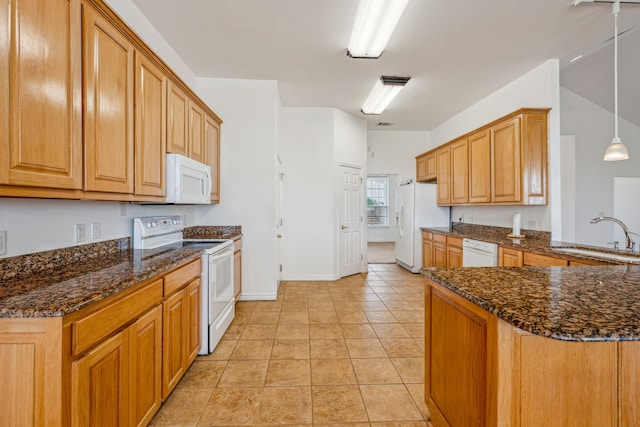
220,287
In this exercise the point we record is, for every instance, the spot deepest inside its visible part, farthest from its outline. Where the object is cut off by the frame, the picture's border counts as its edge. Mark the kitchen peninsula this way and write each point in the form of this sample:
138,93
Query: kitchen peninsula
532,346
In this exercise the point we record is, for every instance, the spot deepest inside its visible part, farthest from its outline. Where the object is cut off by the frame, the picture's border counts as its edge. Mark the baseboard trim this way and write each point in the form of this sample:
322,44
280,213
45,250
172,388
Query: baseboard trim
302,278
258,297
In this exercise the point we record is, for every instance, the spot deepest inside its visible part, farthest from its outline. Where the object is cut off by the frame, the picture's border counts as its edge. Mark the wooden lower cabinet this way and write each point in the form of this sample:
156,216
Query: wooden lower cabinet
531,259
54,373
427,249
508,257
145,338
482,371
237,268
454,251
181,334
100,384
439,250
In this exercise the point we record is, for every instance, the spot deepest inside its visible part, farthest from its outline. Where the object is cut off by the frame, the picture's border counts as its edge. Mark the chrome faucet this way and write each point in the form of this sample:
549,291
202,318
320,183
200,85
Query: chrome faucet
627,233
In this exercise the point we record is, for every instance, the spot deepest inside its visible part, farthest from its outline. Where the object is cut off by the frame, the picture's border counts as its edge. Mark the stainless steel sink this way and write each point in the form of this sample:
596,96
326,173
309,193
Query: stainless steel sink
634,259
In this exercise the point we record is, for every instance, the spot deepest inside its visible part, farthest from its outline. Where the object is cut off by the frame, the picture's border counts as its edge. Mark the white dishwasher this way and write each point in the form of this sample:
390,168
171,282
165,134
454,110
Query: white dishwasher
476,253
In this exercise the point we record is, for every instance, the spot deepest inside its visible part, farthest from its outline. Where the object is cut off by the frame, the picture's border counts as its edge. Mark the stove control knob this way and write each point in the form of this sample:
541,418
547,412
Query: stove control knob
148,225
154,224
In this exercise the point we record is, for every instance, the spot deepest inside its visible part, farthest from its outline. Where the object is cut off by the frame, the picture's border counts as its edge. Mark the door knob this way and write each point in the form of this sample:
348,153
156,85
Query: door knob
343,227
279,236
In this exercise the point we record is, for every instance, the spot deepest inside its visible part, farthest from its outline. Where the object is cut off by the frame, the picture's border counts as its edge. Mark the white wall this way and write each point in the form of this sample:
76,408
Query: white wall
134,18
539,88
249,109
393,153
593,129
312,143
306,149
35,225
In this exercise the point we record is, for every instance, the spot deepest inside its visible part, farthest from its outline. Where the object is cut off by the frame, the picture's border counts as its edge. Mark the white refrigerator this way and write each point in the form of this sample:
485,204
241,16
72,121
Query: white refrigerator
416,207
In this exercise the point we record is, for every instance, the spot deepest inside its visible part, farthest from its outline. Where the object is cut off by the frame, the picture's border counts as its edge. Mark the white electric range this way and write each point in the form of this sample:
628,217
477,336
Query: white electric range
160,233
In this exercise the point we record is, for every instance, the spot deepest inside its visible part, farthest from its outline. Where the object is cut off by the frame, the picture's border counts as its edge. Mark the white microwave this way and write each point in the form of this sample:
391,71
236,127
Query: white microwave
188,181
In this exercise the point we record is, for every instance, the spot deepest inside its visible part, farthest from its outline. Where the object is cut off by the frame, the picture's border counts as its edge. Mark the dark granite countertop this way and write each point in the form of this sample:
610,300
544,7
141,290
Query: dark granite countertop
64,289
599,303
60,281
535,241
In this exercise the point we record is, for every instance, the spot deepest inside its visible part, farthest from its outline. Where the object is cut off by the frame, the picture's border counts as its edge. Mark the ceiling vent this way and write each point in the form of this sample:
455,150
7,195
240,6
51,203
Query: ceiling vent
385,124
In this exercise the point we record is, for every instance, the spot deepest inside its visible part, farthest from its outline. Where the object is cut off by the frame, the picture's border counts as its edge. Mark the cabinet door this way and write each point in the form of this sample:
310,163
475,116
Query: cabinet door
427,253
237,273
456,360
212,150
480,167
421,169
430,166
459,172
454,256
439,255
41,101
509,257
100,392
108,79
443,168
150,127
146,367
177,120
192,324
506,179
196,132
173,349
534,158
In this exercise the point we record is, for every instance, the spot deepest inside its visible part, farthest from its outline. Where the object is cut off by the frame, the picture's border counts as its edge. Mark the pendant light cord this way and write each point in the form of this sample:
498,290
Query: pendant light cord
616,10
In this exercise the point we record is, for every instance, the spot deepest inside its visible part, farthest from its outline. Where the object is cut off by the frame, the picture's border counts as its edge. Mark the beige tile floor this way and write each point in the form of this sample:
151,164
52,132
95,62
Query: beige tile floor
349,352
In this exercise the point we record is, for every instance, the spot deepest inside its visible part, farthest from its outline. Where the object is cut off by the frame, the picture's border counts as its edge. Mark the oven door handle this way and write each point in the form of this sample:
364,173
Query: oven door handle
225,252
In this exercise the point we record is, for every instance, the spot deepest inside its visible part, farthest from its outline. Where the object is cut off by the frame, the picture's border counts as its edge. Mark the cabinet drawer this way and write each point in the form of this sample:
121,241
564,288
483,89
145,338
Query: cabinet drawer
98,325
454,241
439,238
180,277
427,235
542,260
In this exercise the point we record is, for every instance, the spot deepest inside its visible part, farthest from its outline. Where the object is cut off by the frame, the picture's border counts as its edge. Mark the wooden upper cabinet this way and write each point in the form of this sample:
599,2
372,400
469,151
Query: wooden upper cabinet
459,172
443,168
534,158
480,167
196,132
177,120
426,167
108,78
150,127
505,162
41,101
212,151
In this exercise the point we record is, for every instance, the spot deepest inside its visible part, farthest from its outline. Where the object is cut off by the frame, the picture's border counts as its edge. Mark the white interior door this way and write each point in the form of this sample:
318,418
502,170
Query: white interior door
351,221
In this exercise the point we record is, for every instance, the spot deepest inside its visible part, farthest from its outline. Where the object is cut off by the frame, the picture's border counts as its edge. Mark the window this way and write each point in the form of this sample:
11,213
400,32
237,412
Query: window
378,201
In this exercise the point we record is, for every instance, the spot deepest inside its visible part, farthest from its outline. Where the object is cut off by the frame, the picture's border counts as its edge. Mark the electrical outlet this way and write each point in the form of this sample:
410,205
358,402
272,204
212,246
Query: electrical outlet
601,213
95,230
3,242
123,209
81,233
531,225
471,221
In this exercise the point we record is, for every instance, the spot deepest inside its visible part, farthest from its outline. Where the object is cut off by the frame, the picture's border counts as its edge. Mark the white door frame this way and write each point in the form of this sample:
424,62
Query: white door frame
338,215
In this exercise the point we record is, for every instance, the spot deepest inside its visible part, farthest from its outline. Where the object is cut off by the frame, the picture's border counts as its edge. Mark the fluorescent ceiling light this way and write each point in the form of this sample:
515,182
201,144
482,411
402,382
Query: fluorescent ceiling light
383,93
375,21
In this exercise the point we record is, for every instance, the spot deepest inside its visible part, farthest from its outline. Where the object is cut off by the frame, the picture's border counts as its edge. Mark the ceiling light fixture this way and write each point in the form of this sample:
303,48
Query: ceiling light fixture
616,150
374,24
383,93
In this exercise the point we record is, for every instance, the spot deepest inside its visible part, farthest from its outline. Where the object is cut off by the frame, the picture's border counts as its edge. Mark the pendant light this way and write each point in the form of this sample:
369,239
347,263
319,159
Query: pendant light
616,150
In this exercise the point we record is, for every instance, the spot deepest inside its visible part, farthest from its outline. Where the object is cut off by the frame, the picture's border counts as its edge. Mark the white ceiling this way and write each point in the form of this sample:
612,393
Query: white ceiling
456,52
